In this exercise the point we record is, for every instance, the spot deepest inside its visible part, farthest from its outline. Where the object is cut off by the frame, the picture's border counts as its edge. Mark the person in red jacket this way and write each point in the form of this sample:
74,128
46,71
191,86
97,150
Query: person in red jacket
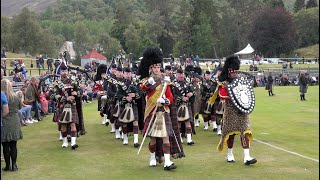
161,124
234,121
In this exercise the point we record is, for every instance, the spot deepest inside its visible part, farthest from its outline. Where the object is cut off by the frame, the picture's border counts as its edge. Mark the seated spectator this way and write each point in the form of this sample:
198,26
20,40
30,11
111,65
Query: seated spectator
44,103
24,71
25,85
32,96
25,111
16,78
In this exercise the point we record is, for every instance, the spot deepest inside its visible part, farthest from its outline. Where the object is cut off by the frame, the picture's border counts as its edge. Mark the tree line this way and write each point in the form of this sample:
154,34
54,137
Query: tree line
208,28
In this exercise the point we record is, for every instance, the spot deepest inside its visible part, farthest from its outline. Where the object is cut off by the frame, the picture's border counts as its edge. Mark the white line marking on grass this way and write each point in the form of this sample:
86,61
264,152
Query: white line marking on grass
316,160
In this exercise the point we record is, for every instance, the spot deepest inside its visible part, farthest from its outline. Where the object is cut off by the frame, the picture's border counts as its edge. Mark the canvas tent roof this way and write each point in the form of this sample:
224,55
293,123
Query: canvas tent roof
94,55
246,50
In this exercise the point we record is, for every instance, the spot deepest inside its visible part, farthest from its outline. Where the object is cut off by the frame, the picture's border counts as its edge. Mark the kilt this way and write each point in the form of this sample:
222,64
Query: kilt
135,111
75,118
167,119
303,89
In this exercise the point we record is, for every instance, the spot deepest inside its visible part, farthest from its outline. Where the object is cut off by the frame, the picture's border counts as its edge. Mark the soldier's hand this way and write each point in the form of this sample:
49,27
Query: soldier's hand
128,98
190,94
151,81
70,98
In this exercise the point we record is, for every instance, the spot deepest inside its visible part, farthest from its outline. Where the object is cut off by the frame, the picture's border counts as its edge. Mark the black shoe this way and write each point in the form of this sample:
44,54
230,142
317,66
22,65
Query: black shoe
14,167
6,168
172,166
252,161
214,129
74,146
136,145
190,143
107,123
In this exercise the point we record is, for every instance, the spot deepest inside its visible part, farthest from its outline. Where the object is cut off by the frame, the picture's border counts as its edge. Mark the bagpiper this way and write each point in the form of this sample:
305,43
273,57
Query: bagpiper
100,88
66,93
183,94
129,92
207,89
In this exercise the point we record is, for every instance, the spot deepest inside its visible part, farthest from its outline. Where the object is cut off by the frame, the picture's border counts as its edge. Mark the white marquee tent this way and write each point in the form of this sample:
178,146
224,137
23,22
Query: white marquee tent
246,50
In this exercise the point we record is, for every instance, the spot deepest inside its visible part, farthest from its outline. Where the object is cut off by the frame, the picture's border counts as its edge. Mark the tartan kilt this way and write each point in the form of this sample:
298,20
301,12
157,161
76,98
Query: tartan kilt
203,106
75,118
167,123
175,140
135,112
215,108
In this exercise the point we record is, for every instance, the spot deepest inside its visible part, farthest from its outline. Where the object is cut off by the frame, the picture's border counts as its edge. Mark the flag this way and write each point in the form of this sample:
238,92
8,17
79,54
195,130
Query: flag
112,62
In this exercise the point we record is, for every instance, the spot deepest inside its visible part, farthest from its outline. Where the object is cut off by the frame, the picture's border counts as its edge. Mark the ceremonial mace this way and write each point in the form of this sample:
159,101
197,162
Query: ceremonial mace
166,82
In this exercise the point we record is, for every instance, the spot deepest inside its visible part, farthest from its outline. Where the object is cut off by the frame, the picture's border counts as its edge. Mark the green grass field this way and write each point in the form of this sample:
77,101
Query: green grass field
281,120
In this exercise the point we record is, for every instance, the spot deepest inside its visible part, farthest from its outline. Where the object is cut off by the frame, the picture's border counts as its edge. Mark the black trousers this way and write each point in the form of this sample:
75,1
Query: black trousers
10,151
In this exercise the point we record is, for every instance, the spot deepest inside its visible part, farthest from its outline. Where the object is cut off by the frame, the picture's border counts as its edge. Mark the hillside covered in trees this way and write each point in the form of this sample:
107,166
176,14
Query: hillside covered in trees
208,28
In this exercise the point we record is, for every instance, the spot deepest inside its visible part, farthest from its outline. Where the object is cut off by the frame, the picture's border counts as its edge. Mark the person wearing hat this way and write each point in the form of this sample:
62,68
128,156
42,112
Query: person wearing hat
111,90
160,114
196,81
67,95
183,94
169,72
234,121
115,101
217,111
100,88
207,89
129,93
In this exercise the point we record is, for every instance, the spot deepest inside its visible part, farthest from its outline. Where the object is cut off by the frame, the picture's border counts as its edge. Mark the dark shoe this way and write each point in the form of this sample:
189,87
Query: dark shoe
136,145
39,119
6,169
107,123
252,161
190,143
172,166
74,146
14,167
214,130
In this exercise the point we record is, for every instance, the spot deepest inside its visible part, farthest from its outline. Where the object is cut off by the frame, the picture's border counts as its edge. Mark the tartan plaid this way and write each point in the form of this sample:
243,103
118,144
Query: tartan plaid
166,148
152,148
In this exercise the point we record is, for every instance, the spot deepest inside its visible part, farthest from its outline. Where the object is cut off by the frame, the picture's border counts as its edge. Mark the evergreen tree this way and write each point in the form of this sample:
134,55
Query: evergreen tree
298,5
311,4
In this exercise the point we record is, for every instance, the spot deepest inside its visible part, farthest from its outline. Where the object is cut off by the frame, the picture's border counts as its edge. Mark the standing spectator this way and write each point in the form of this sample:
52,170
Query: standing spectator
4,111
197,59
290,65
303,60
37,62
303,85
41,61
49,63
296,58
3,53
269,85
11,127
